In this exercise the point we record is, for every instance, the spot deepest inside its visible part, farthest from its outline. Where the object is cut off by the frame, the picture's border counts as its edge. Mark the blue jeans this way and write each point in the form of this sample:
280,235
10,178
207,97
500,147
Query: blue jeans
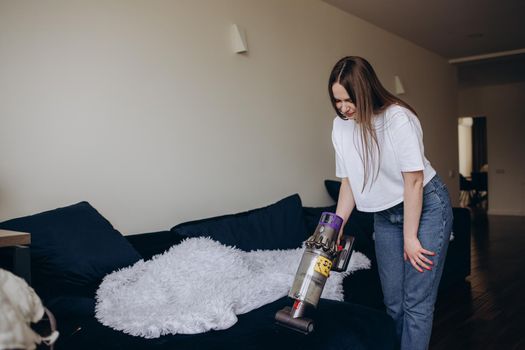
410,295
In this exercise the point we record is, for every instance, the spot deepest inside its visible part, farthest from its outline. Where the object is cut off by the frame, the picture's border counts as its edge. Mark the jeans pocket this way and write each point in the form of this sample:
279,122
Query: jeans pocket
430,192
431,201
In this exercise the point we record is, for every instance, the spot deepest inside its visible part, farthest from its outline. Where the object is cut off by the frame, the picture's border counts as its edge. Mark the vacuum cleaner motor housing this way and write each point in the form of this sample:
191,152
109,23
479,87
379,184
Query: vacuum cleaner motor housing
322,254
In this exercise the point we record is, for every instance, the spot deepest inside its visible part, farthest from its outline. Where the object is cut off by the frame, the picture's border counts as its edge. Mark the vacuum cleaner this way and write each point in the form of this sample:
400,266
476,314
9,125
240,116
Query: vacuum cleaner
321,255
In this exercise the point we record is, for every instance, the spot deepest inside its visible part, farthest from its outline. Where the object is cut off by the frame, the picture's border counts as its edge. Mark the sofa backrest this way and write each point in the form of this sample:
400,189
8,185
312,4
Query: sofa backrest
277,226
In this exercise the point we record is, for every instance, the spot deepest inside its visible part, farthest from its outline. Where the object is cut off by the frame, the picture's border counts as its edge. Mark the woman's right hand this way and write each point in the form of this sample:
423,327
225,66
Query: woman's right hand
339,237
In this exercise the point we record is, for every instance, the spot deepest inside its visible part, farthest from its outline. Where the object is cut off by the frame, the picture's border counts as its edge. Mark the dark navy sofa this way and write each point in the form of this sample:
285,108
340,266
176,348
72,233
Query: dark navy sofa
74,247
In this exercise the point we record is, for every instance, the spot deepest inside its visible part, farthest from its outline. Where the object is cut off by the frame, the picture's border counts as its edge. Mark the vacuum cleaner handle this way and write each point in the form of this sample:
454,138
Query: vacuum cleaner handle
344,254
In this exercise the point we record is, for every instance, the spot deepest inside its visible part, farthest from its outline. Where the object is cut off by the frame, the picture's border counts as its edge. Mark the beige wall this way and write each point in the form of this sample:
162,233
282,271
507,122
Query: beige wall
141,108
503,106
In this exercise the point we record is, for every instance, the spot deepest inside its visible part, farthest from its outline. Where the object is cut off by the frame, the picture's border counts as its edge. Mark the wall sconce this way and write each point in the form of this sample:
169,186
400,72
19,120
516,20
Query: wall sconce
238,37
398,86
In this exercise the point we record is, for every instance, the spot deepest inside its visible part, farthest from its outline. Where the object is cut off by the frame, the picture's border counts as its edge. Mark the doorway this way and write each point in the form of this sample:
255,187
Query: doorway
473,162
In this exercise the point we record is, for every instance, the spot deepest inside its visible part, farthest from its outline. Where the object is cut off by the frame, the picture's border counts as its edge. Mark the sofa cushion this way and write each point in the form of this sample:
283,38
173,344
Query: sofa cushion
153,243
72,249
277,226
339,326
72,307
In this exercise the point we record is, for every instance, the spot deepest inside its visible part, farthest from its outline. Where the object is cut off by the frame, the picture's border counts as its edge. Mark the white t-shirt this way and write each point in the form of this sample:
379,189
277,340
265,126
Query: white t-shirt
400,141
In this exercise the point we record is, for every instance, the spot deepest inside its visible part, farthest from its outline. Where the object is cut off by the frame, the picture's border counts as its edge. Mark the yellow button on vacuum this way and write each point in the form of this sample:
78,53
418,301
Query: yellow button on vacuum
323,266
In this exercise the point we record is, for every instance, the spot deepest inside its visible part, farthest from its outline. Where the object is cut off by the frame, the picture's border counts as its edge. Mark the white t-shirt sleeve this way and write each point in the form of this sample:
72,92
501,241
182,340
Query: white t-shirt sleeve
340,170
407,141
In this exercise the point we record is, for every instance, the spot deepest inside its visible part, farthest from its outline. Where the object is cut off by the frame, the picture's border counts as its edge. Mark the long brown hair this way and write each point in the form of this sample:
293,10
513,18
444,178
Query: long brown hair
360,81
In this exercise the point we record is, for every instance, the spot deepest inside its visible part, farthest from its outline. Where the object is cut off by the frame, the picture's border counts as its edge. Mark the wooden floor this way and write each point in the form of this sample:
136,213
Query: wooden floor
488,312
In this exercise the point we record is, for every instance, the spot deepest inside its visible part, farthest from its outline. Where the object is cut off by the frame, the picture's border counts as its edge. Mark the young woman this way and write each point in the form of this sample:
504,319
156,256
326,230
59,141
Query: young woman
380,157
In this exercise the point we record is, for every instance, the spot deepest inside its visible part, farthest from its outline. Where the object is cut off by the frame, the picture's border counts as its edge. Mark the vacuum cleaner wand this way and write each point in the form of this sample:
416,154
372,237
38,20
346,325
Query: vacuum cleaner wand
321,255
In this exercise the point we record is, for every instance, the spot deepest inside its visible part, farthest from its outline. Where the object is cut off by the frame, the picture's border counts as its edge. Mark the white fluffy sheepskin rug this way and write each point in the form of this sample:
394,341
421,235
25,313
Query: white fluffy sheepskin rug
199,285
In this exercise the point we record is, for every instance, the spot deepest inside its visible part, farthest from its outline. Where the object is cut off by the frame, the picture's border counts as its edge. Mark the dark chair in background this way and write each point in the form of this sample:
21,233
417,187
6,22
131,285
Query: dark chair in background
479,182
465,188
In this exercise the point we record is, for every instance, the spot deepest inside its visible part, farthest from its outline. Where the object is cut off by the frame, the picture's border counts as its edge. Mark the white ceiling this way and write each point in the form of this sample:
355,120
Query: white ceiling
450,28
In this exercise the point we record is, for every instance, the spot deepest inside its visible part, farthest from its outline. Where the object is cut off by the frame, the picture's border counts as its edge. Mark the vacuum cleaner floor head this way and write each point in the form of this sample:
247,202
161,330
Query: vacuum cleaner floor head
302,324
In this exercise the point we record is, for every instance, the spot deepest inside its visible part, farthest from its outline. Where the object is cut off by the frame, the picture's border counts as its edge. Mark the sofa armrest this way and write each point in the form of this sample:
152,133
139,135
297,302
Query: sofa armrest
457,263
461,229
153,243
